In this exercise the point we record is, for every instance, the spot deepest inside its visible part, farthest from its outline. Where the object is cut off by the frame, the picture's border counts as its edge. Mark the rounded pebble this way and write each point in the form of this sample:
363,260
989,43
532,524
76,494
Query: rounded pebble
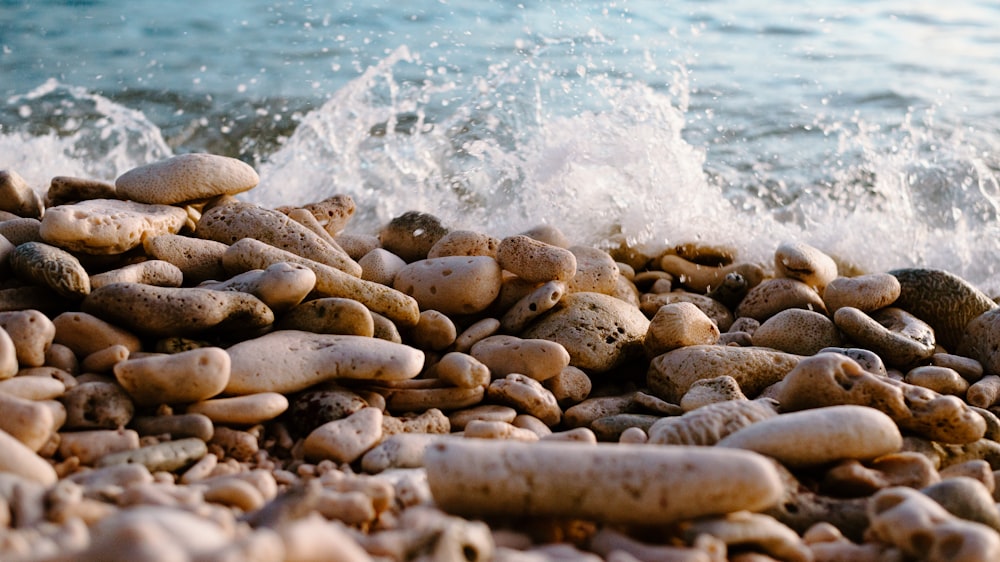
186,177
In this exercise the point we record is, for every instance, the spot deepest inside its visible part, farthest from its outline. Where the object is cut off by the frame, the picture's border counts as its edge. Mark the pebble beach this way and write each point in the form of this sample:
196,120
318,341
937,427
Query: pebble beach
189,376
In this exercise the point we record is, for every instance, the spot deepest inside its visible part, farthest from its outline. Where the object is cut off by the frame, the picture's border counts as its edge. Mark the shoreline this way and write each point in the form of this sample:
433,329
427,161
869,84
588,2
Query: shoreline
206,378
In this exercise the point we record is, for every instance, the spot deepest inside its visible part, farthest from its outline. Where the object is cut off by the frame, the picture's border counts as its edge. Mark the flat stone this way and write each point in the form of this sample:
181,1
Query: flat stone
108,226
864,292
289,360
754,368
774,295
599,332
944,300
798,331
540,359
186,177
242,410
188,376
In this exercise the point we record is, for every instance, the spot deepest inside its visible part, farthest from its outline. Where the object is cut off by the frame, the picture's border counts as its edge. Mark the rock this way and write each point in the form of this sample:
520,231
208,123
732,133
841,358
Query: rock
453,285
535,261
866,293
90,446
167,456
380,266
150,272
526,394
711,423
67,189
650,303
774,295
17,197
31,332
967,499
280,285
412,235
981,341
242,410
532,305
679,325
464,243
108,226
754,368
178,426
173,311
898,337
332,213
345,440
28,421
289,361
571,386
97,405
599,332
540,359
939,379
603,482
50,267
329,315
945,301
19,459
709,391
797,331
198,260
819,436
189,376
85,334
596,271
461,370
802,262
186,177
314,408
434,332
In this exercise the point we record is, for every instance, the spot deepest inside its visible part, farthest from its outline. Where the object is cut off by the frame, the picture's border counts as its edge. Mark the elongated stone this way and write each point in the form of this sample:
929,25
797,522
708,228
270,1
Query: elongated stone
186,177
330,281
754,368
612,483
183,377
290,360
173,311
50,267
167,456
944,300
108,226
535,261
452,285
537,358
18,459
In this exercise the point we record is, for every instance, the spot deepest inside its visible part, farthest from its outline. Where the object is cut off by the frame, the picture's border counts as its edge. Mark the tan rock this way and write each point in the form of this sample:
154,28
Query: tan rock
571,386
231,221
939,379
754,368
198,259
173,311
864,292
434,332
412,235
97,405
186,177
436,395
711,423
476,332
242,410
380,266
331,282
486,412
50,267
31,387
535,261
660,485
167,456
525,394
539,359
599,332
289,361
104,360
332,213
943,300
189,376
898,337
17,197
344,441
464,243
802,262
453,285
774,295
329,316
150,272
650,303
980,341
67,189
8,356
85,333
819,436
678,325
702,278
461,370
798,331
90,446
19,459
30,422
20,230
596,271
532,305
108,226
710,391
983,393
32,334
280,285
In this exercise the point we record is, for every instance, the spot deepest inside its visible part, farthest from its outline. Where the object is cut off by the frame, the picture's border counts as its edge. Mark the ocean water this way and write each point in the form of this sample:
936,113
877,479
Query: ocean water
868,129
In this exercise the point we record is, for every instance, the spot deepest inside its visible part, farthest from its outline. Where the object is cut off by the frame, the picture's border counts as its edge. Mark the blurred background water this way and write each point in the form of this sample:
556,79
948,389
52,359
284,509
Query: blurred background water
868,129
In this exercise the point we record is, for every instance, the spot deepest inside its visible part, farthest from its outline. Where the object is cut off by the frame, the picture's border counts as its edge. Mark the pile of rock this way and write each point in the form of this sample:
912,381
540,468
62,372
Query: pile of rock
187,376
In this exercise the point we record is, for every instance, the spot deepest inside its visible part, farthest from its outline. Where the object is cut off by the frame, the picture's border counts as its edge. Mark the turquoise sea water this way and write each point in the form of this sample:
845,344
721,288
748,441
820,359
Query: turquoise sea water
869,129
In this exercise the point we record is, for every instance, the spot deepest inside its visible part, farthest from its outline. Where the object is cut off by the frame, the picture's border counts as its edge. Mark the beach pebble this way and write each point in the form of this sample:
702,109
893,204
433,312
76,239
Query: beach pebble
50,267
701,278
172,311
981,341
596,271
8,356
186,177
477,331
19,459
539,359
526,394
68,189
412,235
189,376
241,446
830,379
108,226
381,266
864,292
231,221
798,331
774,295
31,332
945,301
280,285
329,316
571,386
150,272
678,325
403,450
85,333
983,393
868,360
452,285
710,391
242,410
97,405
650,303
754,368
755,531
434,332
464,243
250,254
102,361
167,456
462,370
534,260
532,305
598,331
710,423
609,482
447,398
332,213
592,409
90,446
29,387
802,262
486,412
20,230
966,498
290,360
177,426
821,435
314,408
17,197
939,379
345,440
897,336
197,259
28,421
